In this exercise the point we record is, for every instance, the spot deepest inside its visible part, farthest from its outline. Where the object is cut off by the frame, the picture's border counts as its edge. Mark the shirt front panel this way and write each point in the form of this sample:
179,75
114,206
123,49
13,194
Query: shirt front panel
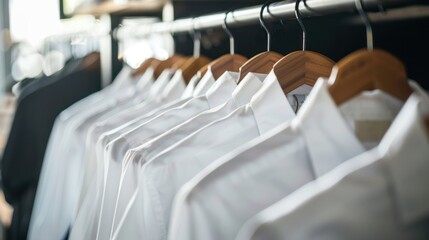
155,191
47,215
219,93
241,95
284,160
366,180
138,136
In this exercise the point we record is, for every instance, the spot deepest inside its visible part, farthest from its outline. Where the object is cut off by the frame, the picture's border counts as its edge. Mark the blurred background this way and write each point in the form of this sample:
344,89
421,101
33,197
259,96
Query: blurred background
39,37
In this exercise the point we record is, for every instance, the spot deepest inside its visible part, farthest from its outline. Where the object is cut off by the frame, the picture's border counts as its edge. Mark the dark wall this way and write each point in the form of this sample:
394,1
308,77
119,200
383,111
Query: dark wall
193,8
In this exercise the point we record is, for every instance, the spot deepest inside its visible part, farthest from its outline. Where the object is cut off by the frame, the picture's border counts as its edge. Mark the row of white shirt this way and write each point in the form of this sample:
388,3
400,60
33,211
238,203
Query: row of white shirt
226,155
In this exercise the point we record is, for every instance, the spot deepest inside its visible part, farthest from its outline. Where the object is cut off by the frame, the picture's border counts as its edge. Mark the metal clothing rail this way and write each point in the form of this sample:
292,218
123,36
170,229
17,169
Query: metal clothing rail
251,15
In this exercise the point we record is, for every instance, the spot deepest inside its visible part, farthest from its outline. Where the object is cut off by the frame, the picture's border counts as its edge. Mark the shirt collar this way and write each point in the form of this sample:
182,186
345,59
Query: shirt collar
329,138
245,90
146,80
175,87
222,89
270,105
128,88
122,77
160,83
406,150
190,88
129,81
204,84
329,134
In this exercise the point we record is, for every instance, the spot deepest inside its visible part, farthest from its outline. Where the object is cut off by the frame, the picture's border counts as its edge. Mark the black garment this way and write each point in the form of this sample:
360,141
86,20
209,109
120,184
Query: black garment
37,108
19,86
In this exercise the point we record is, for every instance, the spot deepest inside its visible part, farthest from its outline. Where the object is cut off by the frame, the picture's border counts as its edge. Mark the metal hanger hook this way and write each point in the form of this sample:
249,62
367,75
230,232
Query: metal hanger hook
264,25
228,31
301,24
172,34
380,6
368,27
275,17
171,29
196,35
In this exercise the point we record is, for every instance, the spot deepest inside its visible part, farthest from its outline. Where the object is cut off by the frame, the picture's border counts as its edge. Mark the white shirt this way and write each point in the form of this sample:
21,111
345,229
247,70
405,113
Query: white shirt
381,194
143,85
131,118
163,176
121,83
201,89
204,84
241,96
72,166
163,91
127,119
216,203
218,94
95,146
190,88
109,130
45,221
66,173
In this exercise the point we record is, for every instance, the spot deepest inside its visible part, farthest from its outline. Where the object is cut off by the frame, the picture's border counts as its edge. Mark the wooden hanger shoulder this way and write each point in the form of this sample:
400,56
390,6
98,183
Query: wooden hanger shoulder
227,62
151,62
192,65
168,63
302,67
261,63
203,70
92,61
366,70
178,64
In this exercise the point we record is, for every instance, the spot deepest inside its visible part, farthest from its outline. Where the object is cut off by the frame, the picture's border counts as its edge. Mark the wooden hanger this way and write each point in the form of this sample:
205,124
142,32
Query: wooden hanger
203,70
177,65
366,70
192,65
301,67
92,61
261,63
222,64
151,62
168,63
228,62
